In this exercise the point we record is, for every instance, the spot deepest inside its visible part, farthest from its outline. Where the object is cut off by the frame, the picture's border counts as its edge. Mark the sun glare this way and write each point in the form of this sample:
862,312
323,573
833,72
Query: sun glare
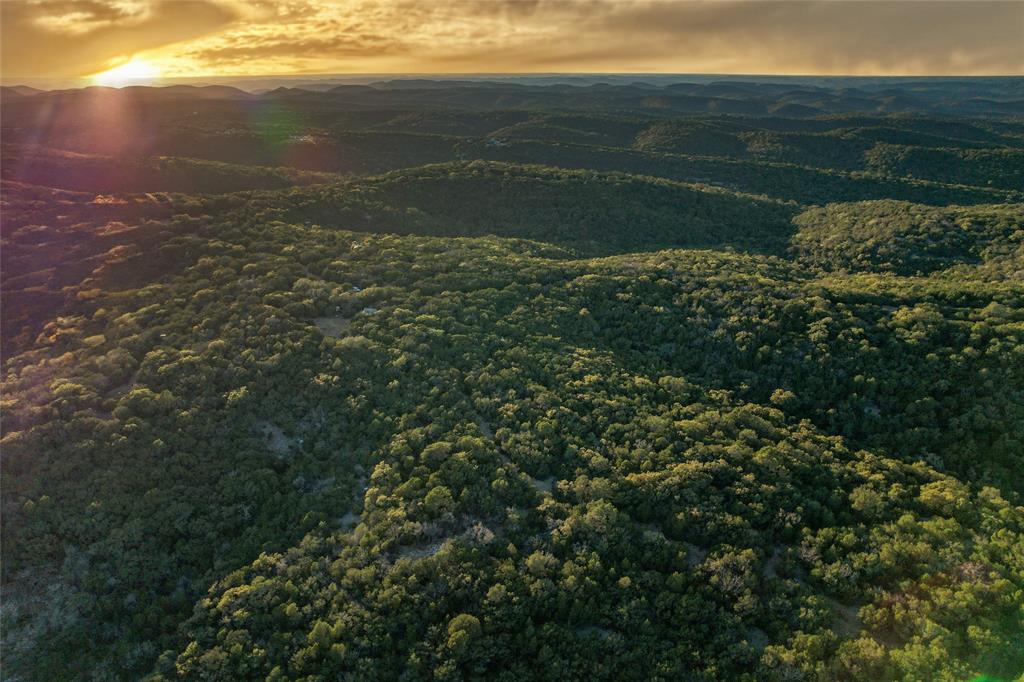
135,72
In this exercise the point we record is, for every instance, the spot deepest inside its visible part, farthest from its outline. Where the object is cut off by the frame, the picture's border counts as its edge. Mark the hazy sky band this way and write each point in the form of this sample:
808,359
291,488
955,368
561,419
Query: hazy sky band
61,39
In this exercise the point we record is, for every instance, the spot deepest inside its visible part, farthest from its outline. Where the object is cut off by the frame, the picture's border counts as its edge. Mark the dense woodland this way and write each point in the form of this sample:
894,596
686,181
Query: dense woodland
434,381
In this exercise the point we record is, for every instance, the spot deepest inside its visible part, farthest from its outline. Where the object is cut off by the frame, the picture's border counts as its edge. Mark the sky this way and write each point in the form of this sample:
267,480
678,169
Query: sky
61,39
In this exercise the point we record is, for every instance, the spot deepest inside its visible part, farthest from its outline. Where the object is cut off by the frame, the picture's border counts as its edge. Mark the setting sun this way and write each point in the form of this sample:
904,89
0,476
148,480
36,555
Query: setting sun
135,72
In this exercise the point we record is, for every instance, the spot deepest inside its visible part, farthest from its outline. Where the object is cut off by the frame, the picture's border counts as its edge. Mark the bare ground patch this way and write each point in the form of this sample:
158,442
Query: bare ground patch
771,565
485,427
593,631
544,485
274,438
757,638
332,326
695,555
847,619
476,533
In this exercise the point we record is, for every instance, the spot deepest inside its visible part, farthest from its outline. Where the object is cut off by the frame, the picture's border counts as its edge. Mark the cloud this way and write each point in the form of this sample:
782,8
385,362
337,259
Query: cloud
837,36
67,39
82,17
772,36
328,48
256,37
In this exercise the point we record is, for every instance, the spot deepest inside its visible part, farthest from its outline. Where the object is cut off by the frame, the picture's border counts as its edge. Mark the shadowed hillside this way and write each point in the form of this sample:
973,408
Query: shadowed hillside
597,212
94,173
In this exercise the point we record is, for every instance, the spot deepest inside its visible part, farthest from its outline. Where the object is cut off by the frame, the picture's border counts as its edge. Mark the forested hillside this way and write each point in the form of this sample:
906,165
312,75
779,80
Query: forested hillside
457,382
895,236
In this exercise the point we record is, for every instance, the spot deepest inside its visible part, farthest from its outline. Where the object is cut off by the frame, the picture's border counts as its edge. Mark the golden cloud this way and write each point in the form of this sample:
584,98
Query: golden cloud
228,37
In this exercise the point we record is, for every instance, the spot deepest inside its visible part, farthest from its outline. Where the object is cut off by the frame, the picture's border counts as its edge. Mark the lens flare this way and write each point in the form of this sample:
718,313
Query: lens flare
135,72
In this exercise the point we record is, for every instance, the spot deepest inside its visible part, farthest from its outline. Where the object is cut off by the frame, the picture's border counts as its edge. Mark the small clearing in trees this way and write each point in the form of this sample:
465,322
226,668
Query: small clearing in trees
332,326
274,438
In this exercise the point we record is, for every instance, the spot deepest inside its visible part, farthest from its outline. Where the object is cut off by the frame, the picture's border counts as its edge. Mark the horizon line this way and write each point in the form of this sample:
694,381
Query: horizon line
83,82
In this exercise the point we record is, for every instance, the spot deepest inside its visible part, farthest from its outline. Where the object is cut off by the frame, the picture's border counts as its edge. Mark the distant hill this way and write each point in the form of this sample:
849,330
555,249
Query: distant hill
994,97
812,141
18,91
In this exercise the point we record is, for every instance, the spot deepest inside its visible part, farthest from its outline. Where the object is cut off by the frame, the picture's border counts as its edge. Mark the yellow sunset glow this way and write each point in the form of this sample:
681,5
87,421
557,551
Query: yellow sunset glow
208,38
135,72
